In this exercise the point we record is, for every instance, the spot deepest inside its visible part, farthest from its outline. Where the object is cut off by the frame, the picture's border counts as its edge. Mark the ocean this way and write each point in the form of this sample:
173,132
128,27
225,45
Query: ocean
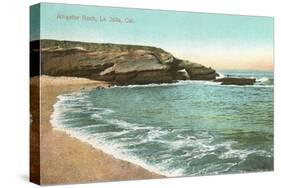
181,129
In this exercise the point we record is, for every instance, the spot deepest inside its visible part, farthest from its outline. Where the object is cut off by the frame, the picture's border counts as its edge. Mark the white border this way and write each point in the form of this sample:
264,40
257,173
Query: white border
14,129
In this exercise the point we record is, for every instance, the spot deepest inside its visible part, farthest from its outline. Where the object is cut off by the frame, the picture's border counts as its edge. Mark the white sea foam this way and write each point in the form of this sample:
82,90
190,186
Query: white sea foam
220,75
265,81
99,112
178,83
89,126
154,134
113,149
99,143
239,153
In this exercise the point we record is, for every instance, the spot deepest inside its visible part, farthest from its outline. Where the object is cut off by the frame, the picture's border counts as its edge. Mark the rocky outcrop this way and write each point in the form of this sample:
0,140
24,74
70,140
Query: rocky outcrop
197,71
121,64
236,81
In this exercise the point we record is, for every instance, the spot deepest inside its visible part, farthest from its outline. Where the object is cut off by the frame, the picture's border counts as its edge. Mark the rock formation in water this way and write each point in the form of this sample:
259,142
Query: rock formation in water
236,81
121,64
197,71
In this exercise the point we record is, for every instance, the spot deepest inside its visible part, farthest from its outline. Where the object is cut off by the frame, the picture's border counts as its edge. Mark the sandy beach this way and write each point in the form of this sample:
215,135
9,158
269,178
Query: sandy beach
63,159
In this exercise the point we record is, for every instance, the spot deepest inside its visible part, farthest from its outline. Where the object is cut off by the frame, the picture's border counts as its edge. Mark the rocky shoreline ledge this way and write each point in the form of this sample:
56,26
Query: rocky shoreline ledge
236,81
120,64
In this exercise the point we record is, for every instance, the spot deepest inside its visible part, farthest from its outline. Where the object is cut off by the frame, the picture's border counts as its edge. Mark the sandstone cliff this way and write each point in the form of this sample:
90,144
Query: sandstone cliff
121,64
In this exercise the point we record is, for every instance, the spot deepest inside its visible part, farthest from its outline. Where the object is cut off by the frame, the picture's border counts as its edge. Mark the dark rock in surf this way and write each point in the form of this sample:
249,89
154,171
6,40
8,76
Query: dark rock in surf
236,81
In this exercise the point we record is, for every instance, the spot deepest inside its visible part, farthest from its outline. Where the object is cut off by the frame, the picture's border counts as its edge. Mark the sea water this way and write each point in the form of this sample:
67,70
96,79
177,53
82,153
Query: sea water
180,129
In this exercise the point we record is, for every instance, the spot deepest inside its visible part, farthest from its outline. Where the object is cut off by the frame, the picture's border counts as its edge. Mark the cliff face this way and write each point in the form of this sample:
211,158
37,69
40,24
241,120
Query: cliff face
122,64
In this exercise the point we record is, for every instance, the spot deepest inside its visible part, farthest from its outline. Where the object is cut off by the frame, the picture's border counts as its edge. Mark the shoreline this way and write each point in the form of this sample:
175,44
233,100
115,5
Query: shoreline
65,159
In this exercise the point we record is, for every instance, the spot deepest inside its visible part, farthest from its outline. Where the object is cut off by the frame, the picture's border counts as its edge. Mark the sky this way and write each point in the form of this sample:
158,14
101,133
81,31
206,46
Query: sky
215,40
